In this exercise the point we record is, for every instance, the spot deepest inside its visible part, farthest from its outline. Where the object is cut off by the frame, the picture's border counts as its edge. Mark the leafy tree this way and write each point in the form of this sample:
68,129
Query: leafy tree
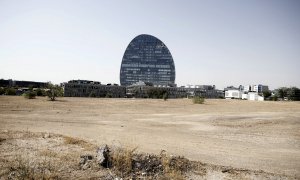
54,91
267,94
281,92
293,94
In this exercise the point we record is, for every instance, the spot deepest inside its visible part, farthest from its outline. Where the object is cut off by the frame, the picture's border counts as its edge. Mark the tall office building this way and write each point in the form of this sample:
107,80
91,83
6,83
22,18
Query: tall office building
149,60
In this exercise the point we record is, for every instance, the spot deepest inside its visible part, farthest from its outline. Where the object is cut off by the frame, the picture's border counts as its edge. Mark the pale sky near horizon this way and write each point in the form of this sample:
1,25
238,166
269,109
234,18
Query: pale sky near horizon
222,43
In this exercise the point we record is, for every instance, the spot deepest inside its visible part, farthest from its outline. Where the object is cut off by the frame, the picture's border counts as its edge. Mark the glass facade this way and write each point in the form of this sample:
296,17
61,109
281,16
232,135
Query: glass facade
147,59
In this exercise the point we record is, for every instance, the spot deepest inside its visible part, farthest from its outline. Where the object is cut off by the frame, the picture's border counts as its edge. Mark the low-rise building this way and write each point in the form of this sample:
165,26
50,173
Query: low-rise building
259,88
142,90
232,92
253,96
85,88
249,92
22,84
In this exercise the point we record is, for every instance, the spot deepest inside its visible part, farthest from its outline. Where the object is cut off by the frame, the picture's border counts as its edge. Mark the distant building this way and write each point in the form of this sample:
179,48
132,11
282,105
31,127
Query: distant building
22,84
206,91
234,92
147,59
256,88
253,96
250,92
141,90
85,88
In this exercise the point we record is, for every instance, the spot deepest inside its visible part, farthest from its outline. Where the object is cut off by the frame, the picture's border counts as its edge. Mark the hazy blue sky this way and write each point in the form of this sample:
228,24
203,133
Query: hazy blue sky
228,42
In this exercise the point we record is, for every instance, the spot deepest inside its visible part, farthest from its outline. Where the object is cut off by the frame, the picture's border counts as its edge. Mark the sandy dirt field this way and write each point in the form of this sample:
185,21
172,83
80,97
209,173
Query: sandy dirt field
240,134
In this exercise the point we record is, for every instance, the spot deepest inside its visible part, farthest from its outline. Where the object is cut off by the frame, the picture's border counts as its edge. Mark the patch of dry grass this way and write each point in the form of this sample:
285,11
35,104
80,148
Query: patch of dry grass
121,160
48,153
74,141
127,163
61,156
79,142
31,168
174,167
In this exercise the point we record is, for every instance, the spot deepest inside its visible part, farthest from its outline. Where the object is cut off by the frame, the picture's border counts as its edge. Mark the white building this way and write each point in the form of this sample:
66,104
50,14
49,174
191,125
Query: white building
233,92
253,96
248,93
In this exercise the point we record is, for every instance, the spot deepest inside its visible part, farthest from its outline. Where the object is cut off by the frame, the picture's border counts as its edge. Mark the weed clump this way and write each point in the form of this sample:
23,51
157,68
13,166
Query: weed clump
122,161
127,163
29,95
74,141
198,100
26,168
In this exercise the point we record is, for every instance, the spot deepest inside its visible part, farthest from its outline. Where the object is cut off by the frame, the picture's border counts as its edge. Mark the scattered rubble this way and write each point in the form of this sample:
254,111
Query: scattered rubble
127,163
85,161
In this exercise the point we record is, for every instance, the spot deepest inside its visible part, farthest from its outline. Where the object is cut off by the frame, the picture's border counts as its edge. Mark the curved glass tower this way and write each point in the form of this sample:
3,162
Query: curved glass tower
147,59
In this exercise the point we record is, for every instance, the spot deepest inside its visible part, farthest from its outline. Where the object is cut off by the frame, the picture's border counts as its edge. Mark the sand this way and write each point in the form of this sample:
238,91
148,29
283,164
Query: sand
237,133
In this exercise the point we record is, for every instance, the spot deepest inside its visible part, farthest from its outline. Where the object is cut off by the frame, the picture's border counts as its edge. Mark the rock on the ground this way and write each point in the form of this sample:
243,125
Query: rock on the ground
103,155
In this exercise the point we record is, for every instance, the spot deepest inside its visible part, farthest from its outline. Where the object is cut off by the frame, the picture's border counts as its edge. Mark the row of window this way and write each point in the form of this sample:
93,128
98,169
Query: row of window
146,65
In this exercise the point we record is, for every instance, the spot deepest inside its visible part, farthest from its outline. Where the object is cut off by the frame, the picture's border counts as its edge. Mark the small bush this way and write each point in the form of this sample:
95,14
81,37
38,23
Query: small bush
122,160
2,91
10,91
92,94
108,95
29,95
198,100
156,93
40,92
274,98
165,96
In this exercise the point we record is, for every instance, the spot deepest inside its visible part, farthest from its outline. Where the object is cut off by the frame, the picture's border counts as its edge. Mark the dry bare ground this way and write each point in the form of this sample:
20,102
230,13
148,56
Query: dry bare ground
224,139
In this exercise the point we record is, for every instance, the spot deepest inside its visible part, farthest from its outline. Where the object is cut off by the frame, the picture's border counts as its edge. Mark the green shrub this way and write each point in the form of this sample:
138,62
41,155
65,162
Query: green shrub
29,95
54,91
108,95
165,96
10,91
156,93
274,98
267,93
92,94
198,100
40,92
2,91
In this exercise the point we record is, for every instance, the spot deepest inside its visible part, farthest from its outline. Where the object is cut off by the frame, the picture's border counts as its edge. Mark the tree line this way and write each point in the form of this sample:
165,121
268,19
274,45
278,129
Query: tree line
51,91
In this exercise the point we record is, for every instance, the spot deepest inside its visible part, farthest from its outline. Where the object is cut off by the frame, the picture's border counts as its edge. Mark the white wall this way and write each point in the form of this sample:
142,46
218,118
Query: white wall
237,94
253,96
